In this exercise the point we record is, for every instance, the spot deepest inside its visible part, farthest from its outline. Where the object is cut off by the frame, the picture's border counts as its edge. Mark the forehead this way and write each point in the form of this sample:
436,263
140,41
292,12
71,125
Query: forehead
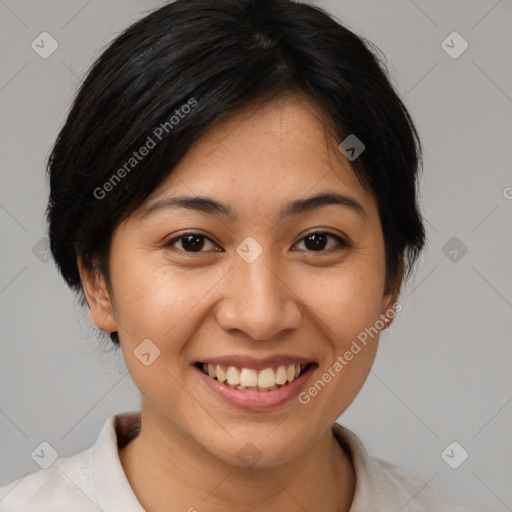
262,156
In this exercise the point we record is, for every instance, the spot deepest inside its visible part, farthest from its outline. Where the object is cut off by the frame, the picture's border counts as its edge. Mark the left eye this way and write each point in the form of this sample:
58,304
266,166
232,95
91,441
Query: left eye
315,242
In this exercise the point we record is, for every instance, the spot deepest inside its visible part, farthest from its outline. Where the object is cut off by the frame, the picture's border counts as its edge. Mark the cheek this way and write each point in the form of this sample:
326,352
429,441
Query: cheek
156,301
347,299
347,310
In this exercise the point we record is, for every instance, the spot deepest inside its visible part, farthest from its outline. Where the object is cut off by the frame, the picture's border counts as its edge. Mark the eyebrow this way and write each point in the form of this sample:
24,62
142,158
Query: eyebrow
293,208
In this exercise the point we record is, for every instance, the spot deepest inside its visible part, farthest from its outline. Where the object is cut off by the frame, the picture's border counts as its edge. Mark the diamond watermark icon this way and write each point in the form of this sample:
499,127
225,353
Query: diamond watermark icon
249,250
41,249
454,249
454,455
44,45
44,455
146,352
352,147
249,454
454,45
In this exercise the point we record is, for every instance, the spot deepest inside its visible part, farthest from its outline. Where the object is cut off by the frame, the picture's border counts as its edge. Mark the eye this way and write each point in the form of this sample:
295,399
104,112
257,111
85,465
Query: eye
317,241
191,242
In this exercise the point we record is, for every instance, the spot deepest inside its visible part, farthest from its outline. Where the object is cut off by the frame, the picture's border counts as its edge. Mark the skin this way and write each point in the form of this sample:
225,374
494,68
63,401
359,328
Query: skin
194,305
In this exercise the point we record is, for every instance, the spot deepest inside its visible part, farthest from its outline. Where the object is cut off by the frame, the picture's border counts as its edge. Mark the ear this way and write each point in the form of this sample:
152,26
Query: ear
98,298
391,295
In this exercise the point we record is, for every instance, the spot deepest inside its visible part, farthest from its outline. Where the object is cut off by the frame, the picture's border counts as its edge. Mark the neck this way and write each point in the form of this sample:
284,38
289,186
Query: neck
165,467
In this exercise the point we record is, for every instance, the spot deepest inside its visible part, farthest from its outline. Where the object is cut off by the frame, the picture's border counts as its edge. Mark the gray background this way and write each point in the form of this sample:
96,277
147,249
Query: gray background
443,372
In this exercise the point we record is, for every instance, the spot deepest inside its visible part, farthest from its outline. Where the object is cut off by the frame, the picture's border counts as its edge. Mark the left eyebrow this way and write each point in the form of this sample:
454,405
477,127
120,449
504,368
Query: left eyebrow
320,200
293,208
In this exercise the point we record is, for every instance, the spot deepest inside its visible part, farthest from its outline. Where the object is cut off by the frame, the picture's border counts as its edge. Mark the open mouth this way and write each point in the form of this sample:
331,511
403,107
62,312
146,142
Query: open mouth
249,379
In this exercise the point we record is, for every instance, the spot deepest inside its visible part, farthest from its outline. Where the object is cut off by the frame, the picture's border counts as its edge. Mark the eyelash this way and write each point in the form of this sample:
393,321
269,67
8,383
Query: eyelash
341,241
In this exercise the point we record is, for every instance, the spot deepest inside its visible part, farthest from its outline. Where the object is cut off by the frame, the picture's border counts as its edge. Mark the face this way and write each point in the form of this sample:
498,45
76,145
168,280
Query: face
263,288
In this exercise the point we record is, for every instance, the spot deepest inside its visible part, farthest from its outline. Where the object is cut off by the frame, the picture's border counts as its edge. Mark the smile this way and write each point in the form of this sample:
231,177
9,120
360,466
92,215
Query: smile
249,379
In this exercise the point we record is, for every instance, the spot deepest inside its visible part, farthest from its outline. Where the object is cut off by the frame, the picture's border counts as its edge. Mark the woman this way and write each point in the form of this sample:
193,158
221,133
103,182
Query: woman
234,196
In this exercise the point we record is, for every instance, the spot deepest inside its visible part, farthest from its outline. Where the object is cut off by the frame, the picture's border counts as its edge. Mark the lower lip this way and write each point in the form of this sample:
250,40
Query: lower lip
257,400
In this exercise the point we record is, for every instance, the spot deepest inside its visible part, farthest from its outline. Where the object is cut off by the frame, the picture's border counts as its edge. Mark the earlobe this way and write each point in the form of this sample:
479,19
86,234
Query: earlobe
390,298
98,298
388,310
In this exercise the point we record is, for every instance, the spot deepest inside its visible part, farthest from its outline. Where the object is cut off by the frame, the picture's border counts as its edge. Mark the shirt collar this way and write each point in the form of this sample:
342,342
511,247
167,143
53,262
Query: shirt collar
372,490
113,489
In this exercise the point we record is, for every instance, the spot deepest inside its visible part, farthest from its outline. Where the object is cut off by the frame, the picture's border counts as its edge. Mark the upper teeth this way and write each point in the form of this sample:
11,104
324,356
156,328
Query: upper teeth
250,378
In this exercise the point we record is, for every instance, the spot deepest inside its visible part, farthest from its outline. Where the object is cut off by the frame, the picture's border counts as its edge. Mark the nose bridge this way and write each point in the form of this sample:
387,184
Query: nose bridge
257,301
260,288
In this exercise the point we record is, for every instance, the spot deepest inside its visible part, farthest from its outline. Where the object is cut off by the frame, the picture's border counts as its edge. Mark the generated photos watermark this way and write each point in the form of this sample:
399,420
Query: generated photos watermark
343,360
158,134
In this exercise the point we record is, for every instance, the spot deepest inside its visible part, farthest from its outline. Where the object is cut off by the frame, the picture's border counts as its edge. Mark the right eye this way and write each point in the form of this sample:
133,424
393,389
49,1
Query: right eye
191,242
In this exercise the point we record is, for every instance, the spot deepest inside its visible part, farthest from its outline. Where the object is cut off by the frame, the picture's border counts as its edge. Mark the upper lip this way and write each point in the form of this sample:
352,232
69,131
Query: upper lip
260,363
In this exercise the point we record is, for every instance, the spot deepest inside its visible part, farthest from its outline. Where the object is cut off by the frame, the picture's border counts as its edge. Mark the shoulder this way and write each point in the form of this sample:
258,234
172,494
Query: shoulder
416,494
383,486
61,487
91,480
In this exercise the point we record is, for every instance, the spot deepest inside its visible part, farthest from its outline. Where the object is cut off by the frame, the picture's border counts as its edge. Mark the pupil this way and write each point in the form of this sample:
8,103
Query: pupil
195,246
318,241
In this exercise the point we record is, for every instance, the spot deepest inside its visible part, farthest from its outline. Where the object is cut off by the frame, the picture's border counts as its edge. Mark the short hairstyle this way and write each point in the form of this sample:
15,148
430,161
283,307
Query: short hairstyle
187,65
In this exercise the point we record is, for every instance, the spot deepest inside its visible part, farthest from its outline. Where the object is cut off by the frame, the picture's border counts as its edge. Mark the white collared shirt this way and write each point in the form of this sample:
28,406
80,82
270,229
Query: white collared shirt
94,480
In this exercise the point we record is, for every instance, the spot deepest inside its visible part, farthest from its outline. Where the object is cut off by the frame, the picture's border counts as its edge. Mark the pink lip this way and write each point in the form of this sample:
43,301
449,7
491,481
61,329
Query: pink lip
256,400
241,361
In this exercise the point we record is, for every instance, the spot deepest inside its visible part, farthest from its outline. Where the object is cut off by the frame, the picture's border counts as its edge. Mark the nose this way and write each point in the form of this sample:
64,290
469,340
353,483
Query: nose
257,300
